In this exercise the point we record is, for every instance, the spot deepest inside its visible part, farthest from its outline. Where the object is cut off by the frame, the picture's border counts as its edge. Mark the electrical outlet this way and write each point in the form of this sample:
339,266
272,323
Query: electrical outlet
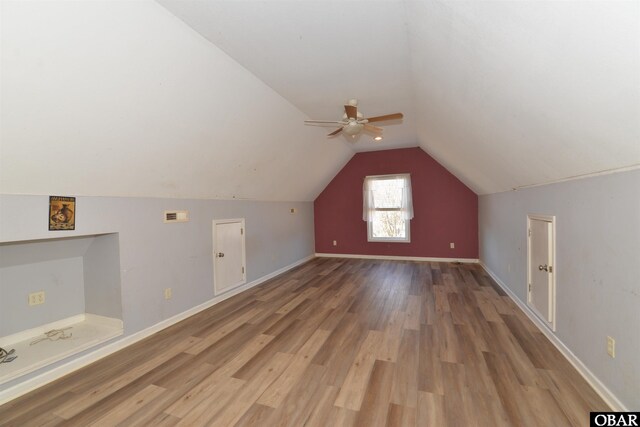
611,347
168,293
452,245
36,298
335,243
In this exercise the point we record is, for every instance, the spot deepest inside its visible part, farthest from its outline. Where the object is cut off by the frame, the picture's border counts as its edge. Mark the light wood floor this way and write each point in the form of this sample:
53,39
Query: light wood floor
334,342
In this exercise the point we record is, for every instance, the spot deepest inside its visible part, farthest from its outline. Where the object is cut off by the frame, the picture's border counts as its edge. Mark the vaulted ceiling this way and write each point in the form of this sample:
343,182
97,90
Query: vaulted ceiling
503,93
126,99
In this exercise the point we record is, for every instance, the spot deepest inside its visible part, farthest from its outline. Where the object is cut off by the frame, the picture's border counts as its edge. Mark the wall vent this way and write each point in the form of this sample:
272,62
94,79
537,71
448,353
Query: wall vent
176,216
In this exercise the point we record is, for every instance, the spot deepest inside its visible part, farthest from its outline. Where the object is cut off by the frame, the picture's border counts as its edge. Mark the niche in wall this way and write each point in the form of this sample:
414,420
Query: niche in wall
80,278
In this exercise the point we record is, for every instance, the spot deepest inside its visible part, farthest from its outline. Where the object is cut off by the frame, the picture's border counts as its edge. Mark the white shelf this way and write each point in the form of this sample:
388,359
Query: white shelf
87,330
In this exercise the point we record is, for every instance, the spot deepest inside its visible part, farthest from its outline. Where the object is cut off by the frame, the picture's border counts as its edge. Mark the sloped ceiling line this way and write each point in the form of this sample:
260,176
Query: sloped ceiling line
504,94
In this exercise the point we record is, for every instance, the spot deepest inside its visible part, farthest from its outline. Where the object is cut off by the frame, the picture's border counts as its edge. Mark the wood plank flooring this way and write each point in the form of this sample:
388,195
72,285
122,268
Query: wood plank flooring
334,342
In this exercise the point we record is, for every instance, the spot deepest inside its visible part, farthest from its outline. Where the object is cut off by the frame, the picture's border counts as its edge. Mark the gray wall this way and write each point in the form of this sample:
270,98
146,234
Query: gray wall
60,279
102,291
154,255
54,266
598,266
78,275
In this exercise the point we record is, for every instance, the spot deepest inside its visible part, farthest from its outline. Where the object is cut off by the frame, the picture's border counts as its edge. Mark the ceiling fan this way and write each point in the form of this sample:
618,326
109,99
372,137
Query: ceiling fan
353,122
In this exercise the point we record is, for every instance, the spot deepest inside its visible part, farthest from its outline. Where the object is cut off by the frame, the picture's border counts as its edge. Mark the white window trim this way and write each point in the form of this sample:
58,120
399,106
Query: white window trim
407,222
407,239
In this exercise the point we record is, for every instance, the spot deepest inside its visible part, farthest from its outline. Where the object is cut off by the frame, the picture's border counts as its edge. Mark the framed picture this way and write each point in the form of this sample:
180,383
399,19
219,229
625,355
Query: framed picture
62,213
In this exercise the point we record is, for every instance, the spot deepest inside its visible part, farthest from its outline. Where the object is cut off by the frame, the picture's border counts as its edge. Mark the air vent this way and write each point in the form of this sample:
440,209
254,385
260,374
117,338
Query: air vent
176,216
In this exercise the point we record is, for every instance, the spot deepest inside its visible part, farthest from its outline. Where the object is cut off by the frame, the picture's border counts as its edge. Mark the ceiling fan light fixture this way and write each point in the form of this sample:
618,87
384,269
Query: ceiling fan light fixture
353,128
353,122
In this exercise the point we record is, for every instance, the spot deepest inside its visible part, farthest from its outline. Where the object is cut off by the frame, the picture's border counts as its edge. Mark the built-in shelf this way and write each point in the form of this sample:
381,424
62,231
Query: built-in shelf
77,283
87,330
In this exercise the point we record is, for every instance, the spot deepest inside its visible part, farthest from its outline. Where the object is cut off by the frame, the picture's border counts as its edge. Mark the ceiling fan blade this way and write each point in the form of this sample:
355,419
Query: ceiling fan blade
352,111
335,132
374,129
323,121
394,116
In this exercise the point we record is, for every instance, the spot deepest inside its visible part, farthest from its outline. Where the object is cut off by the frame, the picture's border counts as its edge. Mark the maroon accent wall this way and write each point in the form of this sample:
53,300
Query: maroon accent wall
445,210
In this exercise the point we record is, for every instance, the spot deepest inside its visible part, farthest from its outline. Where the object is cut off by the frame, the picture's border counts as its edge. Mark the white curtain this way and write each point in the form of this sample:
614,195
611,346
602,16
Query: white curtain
407,199
404,202
368,205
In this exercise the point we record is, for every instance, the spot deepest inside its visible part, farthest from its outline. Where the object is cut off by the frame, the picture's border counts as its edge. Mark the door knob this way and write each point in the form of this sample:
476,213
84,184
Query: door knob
220,254
543,267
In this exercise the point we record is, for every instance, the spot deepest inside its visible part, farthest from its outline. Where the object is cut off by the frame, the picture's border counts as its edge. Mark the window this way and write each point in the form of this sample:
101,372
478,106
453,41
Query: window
387,207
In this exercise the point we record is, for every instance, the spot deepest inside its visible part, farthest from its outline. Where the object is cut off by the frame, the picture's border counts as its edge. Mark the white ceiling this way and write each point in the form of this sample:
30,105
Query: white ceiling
318,55
503,93
114,98
107,98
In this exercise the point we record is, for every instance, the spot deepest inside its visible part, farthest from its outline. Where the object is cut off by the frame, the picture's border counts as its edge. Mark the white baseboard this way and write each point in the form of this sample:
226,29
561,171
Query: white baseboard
82,361
399,258
606,394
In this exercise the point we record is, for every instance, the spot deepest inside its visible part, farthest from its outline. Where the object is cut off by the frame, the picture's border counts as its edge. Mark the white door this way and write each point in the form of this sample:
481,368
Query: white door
541,289
228,254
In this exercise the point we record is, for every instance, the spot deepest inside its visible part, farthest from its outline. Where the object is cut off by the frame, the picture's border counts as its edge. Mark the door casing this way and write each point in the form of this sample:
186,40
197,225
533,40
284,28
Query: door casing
552,304
217,286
